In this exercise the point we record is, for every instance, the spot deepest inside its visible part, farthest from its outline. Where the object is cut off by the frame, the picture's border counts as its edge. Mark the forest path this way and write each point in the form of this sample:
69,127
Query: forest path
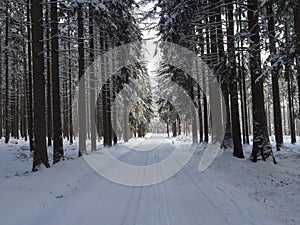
72,193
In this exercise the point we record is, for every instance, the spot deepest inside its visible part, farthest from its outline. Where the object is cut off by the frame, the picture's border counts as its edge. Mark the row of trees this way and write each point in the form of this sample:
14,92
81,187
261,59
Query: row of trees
253,48
46,47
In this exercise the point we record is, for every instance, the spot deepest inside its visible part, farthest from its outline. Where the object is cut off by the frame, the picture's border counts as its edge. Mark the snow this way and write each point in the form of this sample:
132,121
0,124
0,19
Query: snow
231,191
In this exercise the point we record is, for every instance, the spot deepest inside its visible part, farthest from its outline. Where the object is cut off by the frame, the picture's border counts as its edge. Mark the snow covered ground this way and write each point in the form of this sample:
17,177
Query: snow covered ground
231,191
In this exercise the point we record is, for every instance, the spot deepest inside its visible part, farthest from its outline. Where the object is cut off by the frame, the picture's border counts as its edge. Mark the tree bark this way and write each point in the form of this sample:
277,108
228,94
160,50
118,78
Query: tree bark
275,85
40,151
7,97
235,117
92,80
82,108
29,92
70,83
49,94
58,151
261,143
297,32
199,115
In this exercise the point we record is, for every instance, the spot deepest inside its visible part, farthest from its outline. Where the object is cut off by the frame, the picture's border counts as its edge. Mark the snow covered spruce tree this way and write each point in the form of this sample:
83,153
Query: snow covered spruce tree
261,143
199,27
246,43
116,31
175,25
110,24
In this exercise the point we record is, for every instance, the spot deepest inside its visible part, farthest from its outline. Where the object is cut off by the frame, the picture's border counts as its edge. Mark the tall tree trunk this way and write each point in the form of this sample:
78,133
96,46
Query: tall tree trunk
205,115
82,108
240,77
104,115
92,79
15,114
297,32
289,78
199,115
13,102
70,83
106,102
242,69
275,85
7,97
58,151
29,92
227,141
40,151
49,79
24,120
65,110
290,104
205,108
246,117
261,143
235,117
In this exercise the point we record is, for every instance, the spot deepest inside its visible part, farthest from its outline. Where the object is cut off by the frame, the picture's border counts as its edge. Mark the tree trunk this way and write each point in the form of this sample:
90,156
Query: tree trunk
261,143
227,141
7,97
235,117
82,108
24,102
243,82
174,128
29,92
297,32
179,126
58,151
126,130
246,117
205,119
289,78
40,151
65,110
168,132
92,80
49,94
291,105
275,85
70,83
199,116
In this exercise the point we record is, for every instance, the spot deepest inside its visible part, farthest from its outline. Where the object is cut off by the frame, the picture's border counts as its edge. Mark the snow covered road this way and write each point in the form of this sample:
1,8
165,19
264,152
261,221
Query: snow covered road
72,193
